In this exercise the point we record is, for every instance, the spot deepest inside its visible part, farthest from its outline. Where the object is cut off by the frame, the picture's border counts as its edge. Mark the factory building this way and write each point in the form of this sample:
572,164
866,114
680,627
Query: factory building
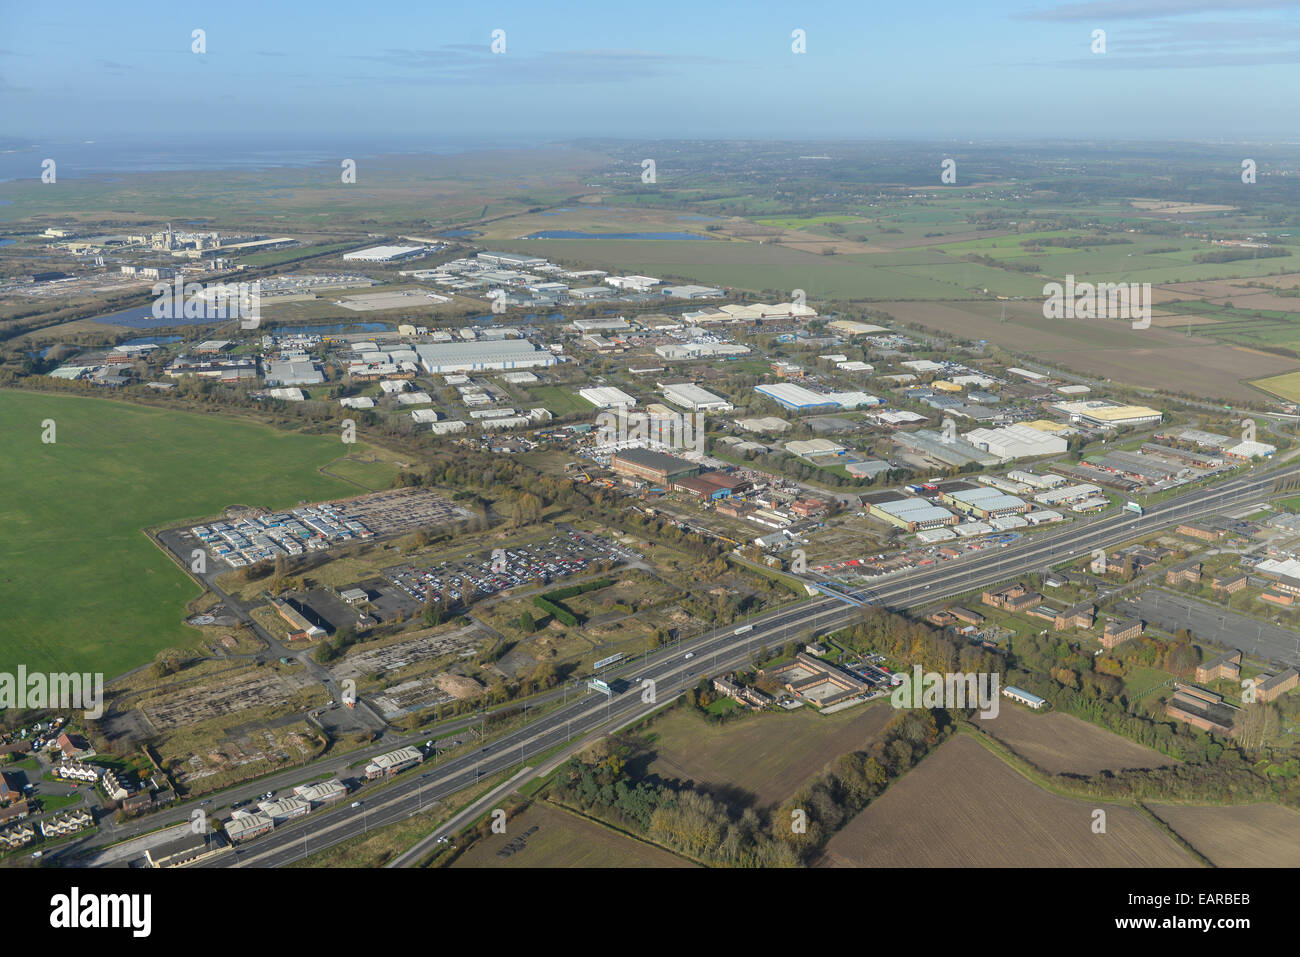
984,502
652,466
607,397
911,514
692,397
1109,414
479,356
1016,442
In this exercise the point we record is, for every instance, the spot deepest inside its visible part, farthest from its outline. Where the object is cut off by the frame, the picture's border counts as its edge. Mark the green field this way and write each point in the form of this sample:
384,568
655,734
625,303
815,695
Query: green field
1287,386
82,588
560,400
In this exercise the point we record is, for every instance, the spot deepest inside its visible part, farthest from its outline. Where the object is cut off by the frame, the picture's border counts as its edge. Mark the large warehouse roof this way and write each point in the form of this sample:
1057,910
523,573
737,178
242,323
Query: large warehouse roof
466,356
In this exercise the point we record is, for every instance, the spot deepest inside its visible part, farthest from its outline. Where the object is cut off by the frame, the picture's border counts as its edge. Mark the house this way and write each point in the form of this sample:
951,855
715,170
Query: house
17,836
1017,597
74,747
1116,632
137,803
1080,616
9,791
1229,583
69,822
1203,532
1188,573
966,615
115,787
76,771
1227,665
1278,685
14,812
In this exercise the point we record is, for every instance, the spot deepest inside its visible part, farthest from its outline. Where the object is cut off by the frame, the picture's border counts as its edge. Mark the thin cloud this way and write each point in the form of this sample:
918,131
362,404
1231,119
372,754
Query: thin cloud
1151,9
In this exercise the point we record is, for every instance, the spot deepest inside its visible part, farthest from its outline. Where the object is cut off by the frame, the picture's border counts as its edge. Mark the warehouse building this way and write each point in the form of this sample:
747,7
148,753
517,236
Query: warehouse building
799,399
323,792
607,397
692,397
442,358
1141,468
243,825
385,254
1109,414
691,291
1023,696
1035,479
911,514
393,762
931,445
295,372
511,260
284,809
984,502
1016,442
652,466
700,350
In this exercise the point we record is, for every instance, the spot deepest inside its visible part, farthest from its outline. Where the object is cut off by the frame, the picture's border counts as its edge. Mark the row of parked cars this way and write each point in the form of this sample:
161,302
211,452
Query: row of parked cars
557,557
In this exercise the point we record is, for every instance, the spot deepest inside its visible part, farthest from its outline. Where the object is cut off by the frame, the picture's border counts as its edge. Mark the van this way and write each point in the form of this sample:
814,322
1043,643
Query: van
689,656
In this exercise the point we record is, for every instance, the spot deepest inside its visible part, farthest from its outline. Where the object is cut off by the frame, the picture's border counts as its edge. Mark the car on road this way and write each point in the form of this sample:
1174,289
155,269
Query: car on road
356,804
689,656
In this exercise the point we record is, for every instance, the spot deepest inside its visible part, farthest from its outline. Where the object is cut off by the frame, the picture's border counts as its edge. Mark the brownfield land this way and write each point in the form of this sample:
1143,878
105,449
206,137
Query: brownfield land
1063,744
764,758
964,807
1249,835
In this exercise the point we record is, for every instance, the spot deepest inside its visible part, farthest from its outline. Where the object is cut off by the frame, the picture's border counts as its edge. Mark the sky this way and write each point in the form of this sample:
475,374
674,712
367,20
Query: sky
286,72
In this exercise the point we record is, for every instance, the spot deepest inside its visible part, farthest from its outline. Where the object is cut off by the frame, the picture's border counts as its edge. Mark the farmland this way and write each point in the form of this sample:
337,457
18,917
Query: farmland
565,840
1249,835
963,807
763,759
1063,744
1153,358
71,520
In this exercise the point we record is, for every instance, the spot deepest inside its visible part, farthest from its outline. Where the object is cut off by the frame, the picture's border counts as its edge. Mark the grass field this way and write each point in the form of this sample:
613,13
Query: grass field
1286,386
764,758
565,840
963,807
1063,744
82,588
1250,835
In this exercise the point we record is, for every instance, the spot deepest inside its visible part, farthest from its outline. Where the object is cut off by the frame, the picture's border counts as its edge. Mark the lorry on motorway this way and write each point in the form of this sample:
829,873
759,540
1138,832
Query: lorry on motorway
1133,507
744,628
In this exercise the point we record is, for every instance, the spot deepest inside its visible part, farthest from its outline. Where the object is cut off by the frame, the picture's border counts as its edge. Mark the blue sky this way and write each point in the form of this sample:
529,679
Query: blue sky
324,71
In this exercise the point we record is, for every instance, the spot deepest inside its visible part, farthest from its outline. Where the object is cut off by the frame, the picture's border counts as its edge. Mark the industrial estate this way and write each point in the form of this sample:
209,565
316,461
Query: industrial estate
758,514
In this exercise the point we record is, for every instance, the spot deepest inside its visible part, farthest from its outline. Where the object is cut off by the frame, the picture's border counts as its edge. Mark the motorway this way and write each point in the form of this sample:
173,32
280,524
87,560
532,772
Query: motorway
724,650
